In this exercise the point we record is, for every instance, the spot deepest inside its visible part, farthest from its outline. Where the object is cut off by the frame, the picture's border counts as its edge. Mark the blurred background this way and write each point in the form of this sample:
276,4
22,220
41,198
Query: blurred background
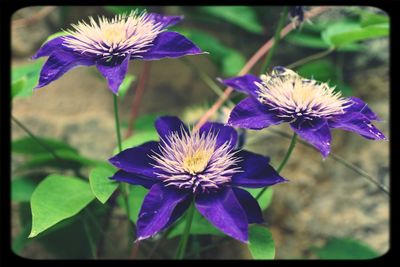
327,210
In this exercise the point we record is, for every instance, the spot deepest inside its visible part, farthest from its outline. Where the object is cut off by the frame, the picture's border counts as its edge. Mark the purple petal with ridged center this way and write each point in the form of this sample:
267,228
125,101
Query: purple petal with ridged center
251,114
136,160
245,83
224,211
165,125
166,21
225,133
59,63
49,47
158,208
361,107
357,123
315,132
249,205
114,72
170,45
256,171
135,179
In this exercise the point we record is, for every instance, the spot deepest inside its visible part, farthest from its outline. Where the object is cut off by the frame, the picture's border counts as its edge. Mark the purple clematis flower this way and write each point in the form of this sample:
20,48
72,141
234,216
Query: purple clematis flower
111,43
312,108
203,167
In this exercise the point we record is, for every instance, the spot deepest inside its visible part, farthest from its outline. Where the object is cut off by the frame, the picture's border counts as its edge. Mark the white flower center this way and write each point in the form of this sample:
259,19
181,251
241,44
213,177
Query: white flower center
193,161
295,96
119,36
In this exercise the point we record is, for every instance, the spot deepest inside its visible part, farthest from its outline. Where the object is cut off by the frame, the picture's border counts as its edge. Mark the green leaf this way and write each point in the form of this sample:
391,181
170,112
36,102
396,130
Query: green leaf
21,240
228,59
306,40
338,28
102,187
22,189
232,63
146,122
200,226
57,198
241,16
17,87
126,84
370,32
265,199
345,249
66,159
123,9
29,146
29,73
368,19
322,70
346,32
138,138
261,243
135,199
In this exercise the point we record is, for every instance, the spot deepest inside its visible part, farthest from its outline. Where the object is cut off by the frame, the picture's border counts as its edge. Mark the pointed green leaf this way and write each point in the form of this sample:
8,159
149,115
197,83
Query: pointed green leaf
22,189
368,19
242,16
265,199
345,249
57,198
65,159
29,73
102,187
28,145
261,243
126,84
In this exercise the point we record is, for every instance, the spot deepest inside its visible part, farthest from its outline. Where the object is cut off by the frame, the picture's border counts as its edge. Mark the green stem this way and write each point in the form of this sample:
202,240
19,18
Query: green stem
124,187
117,128
277,37
182,244
51,152
310,58
284,161
90,238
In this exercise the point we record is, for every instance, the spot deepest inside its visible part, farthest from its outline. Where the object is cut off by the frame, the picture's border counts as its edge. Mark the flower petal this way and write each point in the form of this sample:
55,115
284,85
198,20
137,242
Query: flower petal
257,171
360,106
171,45
167,124
59,63
136,160
249,205
245,83
225,133
49,47
123,176
224,211
251,114
167,21
114,72
315,132
158,208
357,123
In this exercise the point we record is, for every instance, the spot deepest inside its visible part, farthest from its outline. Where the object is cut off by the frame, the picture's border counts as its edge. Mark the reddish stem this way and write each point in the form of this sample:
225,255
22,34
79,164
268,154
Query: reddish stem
252,61
138,97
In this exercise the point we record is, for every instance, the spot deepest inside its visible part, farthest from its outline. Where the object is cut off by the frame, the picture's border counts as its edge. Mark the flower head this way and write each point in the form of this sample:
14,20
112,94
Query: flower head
111,43
203,166
311,107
